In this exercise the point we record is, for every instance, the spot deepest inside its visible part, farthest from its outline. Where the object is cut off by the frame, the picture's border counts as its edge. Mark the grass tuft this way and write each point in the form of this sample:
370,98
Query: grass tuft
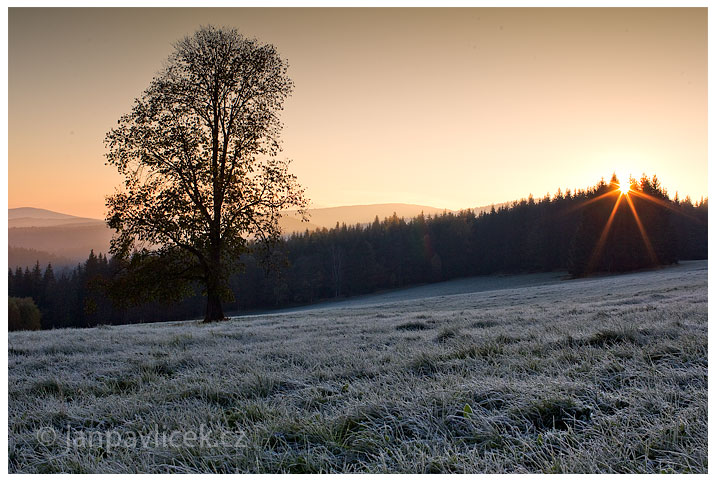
447,334
609,337
557,414
412,326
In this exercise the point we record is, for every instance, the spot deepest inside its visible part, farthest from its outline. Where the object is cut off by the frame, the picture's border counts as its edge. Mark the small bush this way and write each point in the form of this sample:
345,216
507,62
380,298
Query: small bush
23,314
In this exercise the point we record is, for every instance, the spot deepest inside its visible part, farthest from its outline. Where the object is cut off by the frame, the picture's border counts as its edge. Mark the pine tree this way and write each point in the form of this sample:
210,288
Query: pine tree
36,291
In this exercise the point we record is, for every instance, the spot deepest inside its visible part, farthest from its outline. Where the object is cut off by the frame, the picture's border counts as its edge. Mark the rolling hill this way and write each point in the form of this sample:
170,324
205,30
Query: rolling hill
27,217
57,237
365,213
36,213
24,257
73,241
50,237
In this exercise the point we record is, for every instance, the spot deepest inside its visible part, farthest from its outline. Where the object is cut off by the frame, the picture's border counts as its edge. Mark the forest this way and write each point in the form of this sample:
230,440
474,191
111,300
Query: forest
598,230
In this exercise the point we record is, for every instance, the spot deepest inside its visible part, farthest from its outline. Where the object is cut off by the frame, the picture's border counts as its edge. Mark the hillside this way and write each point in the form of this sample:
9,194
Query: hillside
72,237
599,375
37,213
64,239
33,217
488,207
290,224
50,237
24,257
43,222
365,213
73,241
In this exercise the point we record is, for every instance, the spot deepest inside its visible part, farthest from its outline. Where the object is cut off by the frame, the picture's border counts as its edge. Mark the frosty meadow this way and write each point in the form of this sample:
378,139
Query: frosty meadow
598,375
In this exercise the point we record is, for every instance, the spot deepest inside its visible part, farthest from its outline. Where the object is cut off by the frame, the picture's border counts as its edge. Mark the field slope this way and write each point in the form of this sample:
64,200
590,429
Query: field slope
599,375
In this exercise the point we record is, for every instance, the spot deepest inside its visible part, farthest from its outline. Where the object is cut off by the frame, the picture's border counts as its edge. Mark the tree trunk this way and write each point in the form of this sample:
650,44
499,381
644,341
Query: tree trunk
213,272
214,312
213,290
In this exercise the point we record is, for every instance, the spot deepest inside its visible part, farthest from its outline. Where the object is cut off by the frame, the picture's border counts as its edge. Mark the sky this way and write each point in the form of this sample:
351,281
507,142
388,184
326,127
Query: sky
452,108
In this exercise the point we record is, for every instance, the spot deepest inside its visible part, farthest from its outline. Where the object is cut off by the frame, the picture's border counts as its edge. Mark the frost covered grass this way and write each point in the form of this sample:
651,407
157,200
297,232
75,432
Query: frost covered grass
598,375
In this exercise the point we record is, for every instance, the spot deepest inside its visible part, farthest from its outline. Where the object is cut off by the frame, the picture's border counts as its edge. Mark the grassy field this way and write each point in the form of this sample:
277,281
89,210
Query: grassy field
600,375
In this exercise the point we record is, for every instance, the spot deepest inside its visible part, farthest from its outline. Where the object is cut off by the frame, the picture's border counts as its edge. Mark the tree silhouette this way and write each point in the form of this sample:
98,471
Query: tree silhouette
198,155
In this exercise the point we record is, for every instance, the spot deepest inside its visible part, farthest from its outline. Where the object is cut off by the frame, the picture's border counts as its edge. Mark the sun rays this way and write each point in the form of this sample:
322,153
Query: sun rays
605,232
625,191
642,231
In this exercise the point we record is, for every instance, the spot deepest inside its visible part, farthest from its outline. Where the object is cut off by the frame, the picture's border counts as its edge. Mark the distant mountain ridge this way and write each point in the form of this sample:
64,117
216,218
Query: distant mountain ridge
54,236
27,217
43,222
28,212
364,213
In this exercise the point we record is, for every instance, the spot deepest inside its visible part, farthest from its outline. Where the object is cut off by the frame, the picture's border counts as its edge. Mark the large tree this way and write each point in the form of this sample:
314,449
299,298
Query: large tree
198,153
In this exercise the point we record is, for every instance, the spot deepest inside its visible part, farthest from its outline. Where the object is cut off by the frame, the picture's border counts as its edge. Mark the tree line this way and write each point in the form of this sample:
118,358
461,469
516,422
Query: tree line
79,297
588,231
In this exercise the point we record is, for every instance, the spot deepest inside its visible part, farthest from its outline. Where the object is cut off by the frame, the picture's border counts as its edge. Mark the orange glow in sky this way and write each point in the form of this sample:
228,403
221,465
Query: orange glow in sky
445,107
